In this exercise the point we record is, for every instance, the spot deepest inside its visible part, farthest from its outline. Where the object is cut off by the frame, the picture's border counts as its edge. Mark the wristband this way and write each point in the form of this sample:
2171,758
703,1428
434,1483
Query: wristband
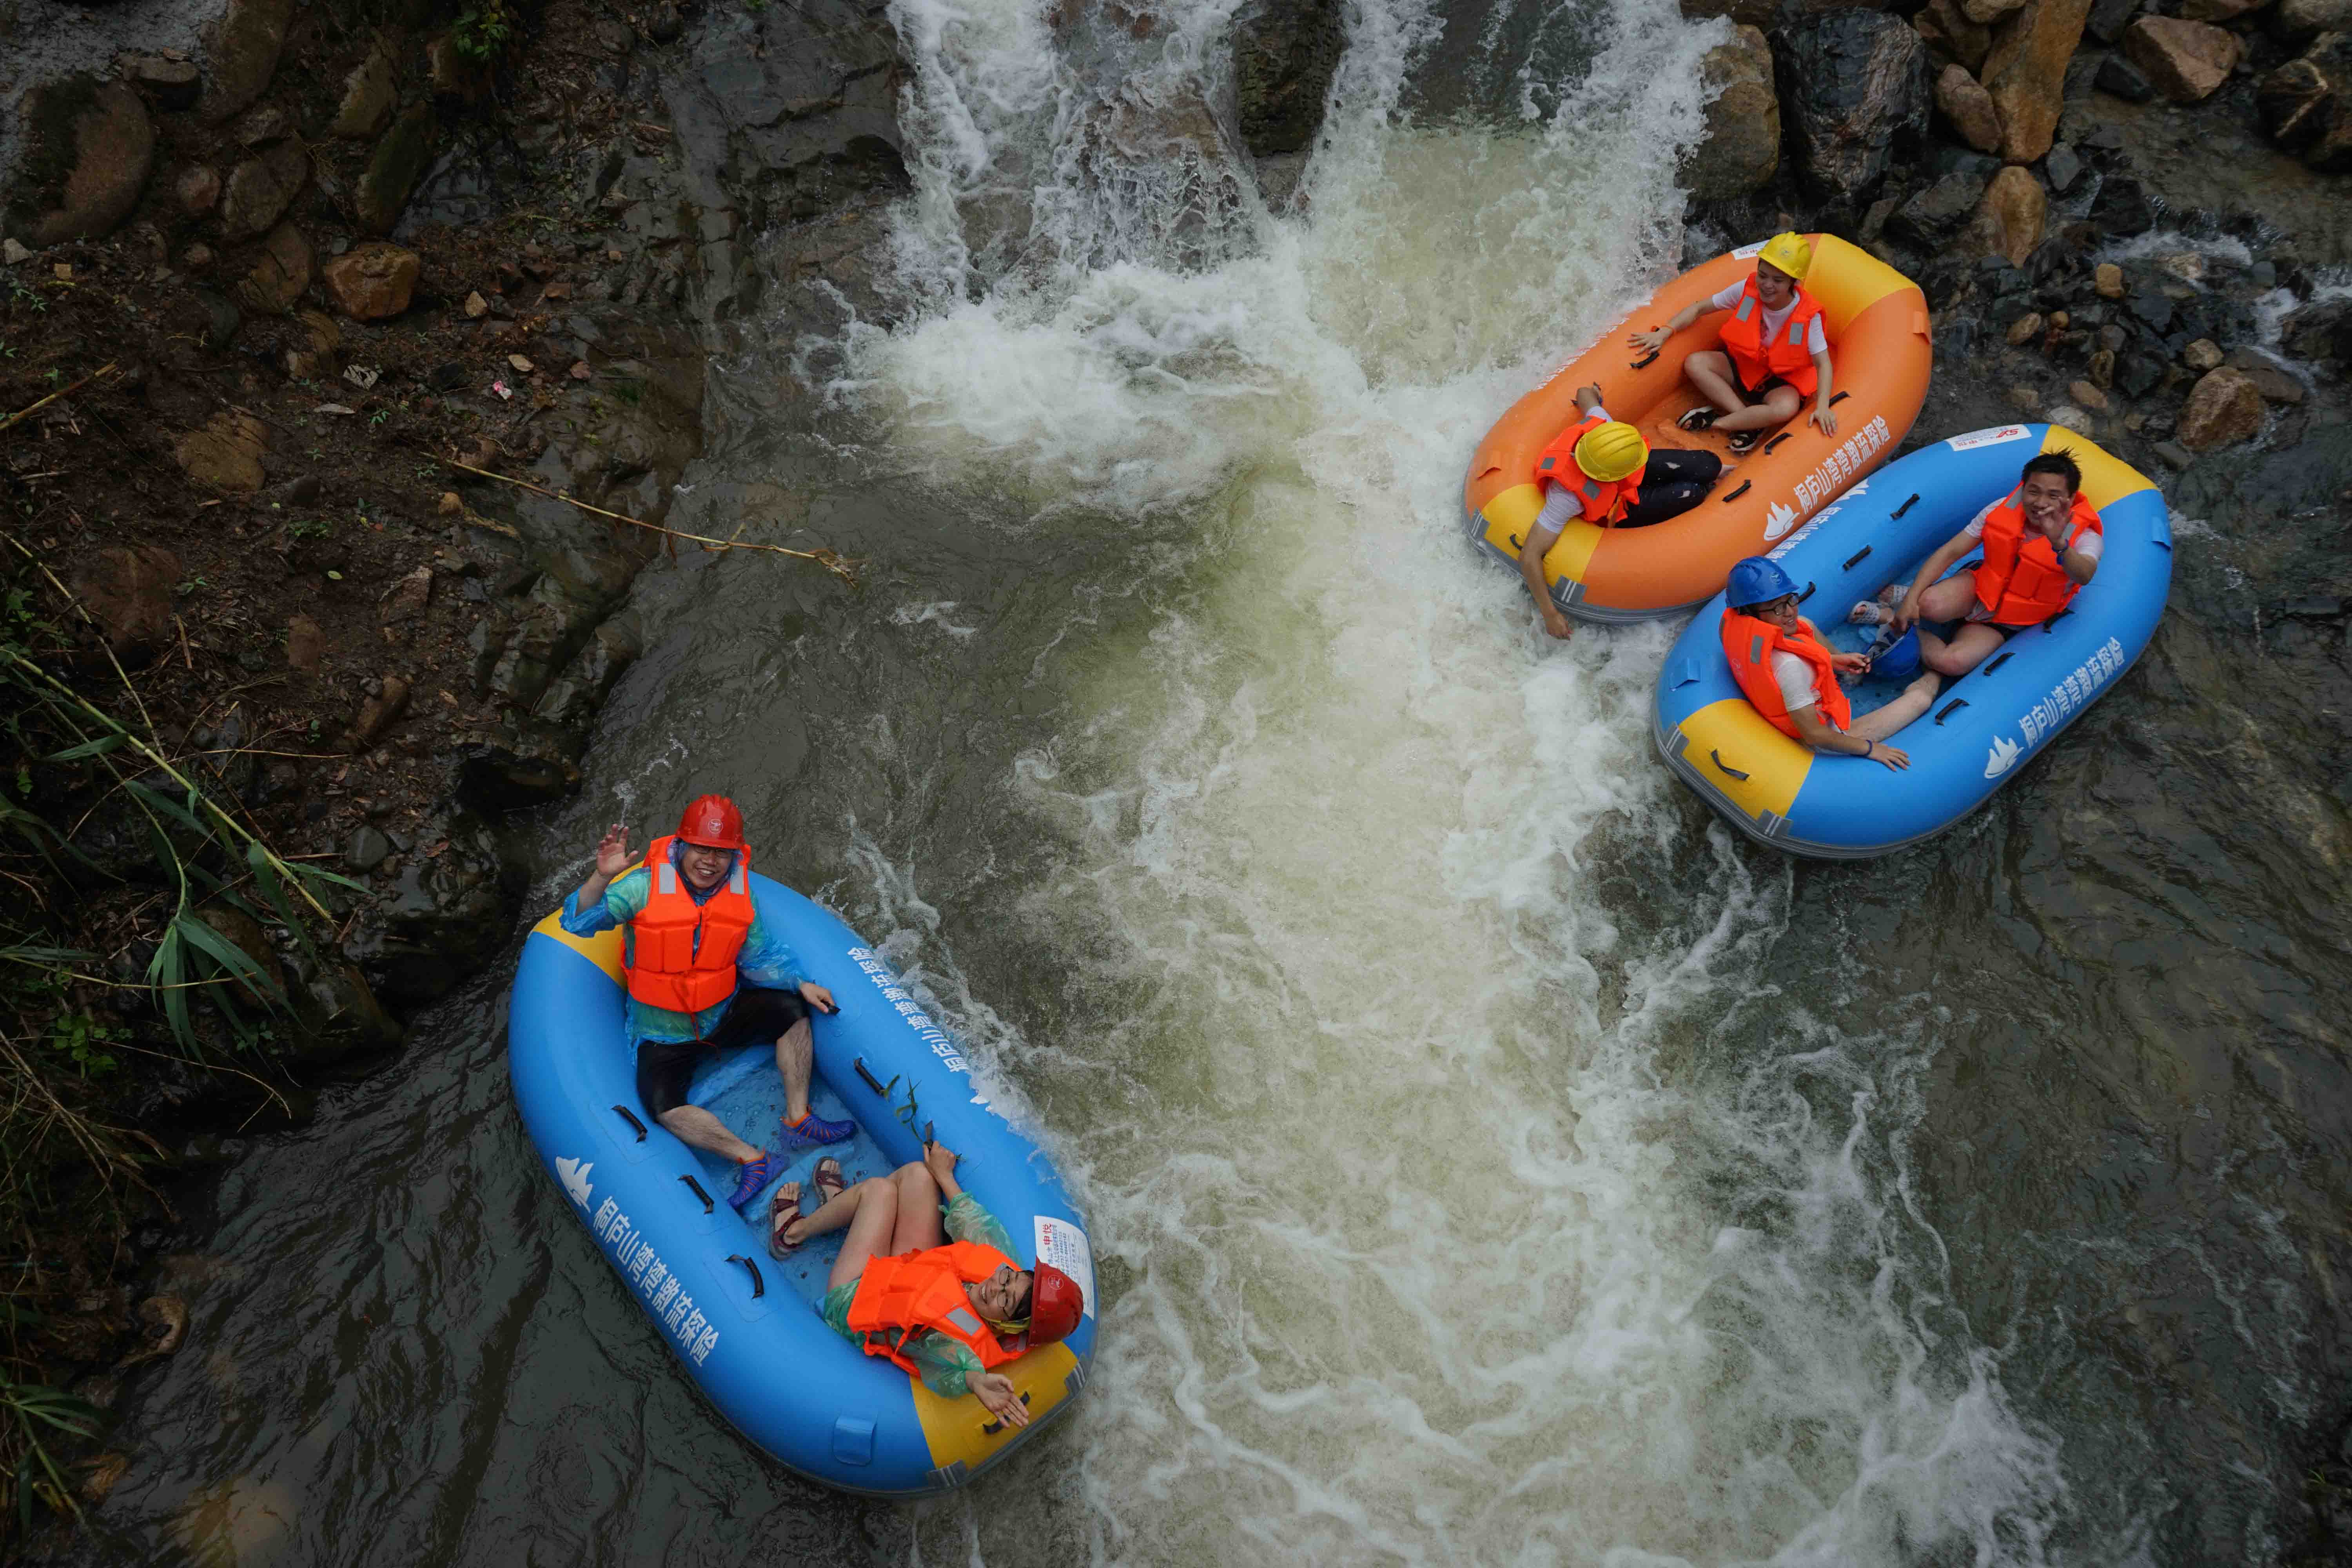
1870,748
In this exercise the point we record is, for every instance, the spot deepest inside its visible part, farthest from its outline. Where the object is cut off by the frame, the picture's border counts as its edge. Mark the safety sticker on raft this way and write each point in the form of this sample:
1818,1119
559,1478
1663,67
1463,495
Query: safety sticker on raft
1993,437
1064,1245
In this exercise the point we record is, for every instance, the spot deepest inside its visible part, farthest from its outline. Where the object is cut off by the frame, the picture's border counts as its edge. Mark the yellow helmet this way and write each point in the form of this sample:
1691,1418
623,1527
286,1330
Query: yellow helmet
1609,452
1790,253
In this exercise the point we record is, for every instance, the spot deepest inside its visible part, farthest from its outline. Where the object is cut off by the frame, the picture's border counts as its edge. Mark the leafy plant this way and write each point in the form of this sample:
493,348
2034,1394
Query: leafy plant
483,31
318,528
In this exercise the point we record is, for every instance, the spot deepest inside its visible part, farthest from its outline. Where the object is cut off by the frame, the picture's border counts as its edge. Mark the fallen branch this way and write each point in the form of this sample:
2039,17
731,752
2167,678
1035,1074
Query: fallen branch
106,369
831,559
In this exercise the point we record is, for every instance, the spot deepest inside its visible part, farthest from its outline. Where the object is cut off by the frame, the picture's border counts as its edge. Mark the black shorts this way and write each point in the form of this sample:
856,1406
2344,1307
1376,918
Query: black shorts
666,1068
1752,395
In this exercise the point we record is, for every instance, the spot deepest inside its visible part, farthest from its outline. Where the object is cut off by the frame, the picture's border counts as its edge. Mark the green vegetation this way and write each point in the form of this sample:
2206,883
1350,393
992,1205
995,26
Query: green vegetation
484,30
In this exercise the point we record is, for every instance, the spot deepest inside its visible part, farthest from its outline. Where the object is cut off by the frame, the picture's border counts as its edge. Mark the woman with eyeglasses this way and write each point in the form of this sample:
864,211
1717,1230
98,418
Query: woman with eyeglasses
1789,675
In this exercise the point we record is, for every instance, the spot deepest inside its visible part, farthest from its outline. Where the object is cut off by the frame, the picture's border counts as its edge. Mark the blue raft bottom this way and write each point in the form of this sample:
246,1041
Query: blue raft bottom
743,1089
1870,693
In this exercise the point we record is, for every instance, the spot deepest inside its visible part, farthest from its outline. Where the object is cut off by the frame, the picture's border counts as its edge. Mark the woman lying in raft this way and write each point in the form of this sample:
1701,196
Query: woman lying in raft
1789,675
950,1311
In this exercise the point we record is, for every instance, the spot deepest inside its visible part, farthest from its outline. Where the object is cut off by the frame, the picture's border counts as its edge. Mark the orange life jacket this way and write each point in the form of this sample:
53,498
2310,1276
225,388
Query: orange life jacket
1601,502
682,954
1786,356
1749,642
2022,581
898,1298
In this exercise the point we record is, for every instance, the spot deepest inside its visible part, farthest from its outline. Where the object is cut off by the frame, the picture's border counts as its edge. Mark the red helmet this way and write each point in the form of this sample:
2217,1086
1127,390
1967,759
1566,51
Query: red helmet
1055,1304
712,822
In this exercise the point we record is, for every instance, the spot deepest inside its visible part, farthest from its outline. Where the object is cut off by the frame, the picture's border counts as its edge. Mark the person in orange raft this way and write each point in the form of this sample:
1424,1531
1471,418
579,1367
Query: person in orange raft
1601,470
1775,353
704,975
2041,543
937,1292
1789,675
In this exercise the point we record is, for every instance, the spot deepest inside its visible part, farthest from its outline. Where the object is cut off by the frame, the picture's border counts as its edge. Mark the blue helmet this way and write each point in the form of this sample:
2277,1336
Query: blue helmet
1756,581
1899,660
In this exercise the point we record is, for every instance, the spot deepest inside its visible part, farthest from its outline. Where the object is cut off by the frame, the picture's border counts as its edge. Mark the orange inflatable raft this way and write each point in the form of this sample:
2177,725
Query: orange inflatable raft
1877,322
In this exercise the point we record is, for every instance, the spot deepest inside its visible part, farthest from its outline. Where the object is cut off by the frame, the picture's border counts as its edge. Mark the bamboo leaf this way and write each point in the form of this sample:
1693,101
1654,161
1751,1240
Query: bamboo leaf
228,956
163,802
264,875
320,874
96,748
168,970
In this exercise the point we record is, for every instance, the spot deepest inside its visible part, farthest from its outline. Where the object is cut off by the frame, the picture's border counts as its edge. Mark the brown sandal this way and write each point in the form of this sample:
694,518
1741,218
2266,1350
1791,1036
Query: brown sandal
782,1209
828,1180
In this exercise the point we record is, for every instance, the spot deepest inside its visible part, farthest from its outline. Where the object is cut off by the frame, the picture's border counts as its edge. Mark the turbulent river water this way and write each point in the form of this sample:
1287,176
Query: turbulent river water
1489,1158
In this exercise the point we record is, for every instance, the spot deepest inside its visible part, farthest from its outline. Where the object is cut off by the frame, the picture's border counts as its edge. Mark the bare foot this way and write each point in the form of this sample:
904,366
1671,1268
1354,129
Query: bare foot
785,1207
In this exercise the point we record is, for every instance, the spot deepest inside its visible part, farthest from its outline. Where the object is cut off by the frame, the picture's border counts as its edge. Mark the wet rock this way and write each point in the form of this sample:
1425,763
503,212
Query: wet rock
2218,10
2108,18
162,1324
2122,208
1284,56
129,592
2275,384
451,904
379,713
2183,60
197,189
369,93
225,455
2321,331
261,188
87,147
2088,395
265,125
241,50
1967,109
172,83
368,849
2119,77
1947,32
306,644
2024,329
2008,221
13,250
2175,454
2062,168
2222,408
1742,145
407,597
394,168
2026,73
455,75
340,1015
101,1476
2138,374
280,275
2306,104
1859,84
535,770
2302,18
2201,356
373,281
1988,12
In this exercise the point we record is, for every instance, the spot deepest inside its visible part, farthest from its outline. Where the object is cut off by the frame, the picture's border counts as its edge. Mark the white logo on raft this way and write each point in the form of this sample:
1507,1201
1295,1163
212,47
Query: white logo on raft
574,1177
2002,758
695,1334
1778,520
1993,437
2074,693
907,1007
1844,464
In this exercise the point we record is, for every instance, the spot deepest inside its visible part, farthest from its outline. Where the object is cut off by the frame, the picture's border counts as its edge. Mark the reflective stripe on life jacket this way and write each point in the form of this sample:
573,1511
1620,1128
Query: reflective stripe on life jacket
681,953
898,1298
2022,581
1600,500
1749,642
1786,356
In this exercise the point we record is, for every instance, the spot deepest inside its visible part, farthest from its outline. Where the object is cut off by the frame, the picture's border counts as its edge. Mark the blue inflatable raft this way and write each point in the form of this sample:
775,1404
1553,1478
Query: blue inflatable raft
1980,727
744,1326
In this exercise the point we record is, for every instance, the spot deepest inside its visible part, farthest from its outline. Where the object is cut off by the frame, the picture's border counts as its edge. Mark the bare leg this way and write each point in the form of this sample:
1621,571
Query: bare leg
1949,600
869,1210
794,1057
693,1125
1709,370
1970,647
1881,723
918,1211
1780,406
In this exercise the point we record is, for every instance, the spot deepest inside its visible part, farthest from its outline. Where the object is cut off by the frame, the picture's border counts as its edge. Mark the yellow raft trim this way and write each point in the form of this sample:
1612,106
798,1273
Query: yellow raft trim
957,1430
603,950
2107,479
1512,514
1728,735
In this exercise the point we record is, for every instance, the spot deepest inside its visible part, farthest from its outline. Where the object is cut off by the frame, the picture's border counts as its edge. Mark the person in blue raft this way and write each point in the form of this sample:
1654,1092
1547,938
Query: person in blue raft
1791,676
705,976
938,1294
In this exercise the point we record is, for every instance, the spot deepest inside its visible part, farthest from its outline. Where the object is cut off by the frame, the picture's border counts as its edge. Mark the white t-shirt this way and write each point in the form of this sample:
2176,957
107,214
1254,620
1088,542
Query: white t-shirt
1561,505
1796,678
1816,341
2084,543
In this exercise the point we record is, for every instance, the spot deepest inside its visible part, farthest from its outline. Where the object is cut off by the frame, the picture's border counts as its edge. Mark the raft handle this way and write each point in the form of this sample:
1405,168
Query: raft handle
759,1285
1776,441
628,1116
1808,593
1742,490
1515,542
1840,397
699,1192
1646,361
876,1084
1957,702
993,1427
1907,506
2007,654
1727,767
1855,557
2051,624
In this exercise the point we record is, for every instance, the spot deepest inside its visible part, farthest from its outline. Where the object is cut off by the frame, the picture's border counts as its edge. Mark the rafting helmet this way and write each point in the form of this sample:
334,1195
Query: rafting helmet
712,822
1610,452
1056,1303
1756,581
1788,252
1899,660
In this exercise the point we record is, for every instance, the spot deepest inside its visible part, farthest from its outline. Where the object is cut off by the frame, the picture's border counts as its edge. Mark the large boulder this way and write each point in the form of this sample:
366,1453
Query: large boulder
1858,86
225,455
241,53
87,147
261,188
373,281
1967,109
128,592
1285,52
2184,60
2225,405
2321,331
1742,147
2007,222
1950,36
1934,216
2302,18
2306,103
393,169
2026,74
369,93
280,275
